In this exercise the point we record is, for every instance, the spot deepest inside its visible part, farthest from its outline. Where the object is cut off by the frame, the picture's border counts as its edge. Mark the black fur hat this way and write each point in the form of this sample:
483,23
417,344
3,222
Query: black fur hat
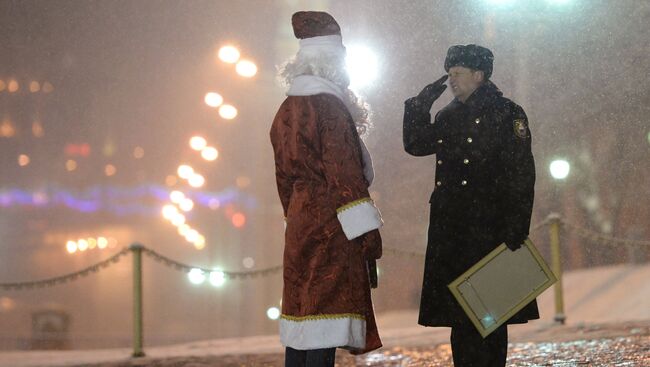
470,56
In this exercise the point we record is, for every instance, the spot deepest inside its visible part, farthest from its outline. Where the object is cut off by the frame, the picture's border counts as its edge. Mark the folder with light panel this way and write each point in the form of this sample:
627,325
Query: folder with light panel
501,284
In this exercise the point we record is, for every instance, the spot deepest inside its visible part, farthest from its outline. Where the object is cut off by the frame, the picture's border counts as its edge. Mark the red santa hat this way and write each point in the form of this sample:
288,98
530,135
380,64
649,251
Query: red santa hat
308,24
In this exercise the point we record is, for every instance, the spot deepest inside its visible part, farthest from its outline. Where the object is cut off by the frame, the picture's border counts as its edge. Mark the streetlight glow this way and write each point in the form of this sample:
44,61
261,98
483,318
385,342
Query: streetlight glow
273,313
246,68
210,153
196,180
184,171
229,54
559,169
197,143
217,278
213,99
227,112
362,66
196,276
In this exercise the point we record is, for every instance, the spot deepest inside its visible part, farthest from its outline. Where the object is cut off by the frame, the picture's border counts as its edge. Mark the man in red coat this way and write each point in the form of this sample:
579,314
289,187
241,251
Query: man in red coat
323,172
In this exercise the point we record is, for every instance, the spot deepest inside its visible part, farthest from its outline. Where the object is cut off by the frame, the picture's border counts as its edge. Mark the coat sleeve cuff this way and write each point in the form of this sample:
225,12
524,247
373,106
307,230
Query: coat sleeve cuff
359,217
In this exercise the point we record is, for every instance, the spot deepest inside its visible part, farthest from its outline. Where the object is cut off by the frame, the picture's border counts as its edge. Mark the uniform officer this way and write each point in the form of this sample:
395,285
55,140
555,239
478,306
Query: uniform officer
483,196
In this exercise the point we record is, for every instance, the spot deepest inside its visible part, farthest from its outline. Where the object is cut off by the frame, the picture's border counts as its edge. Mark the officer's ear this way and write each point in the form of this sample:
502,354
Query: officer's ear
478,76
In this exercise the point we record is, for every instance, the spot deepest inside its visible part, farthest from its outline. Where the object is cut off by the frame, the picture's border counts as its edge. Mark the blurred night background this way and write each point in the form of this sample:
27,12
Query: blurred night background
102,101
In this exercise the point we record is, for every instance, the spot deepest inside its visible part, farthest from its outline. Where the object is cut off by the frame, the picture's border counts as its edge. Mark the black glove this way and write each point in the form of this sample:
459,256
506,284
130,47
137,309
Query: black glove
431,92
514,242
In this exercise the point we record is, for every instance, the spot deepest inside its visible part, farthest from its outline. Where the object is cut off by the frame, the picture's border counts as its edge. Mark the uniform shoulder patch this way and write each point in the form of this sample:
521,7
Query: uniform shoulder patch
520,126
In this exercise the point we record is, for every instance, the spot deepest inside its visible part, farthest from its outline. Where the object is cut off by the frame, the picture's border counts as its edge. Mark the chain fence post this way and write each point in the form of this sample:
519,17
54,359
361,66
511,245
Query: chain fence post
556,261
136,248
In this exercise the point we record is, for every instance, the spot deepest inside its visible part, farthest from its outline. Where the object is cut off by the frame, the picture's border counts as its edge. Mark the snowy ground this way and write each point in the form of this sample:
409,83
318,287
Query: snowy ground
610,305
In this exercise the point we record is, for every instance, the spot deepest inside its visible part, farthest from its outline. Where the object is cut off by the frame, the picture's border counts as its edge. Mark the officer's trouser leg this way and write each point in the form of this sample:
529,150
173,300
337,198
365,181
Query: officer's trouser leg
469,349
309,358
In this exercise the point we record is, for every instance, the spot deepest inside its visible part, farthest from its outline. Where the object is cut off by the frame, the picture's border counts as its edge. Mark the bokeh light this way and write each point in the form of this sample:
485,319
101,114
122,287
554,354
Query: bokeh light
196,276
23,160
13,86
184,171
210,153
213,99
362,65
228,112
71,247
186,204
217,278
273,313
138,152
71,165
47,87
34,86
559,169
248,262
229,54
246,68
178,219
198,143
169,211
196,180
238,220
176,196
82,245
110,170
102,242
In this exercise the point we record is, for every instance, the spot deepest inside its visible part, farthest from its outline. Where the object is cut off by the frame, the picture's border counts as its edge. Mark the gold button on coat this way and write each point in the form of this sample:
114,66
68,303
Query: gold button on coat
438,183
463,182
439,161
439,141
469,140
466,161
478,120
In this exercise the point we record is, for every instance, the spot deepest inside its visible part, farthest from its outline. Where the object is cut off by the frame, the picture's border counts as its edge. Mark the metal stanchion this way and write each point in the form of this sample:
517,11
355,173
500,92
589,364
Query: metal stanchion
556,258
136,248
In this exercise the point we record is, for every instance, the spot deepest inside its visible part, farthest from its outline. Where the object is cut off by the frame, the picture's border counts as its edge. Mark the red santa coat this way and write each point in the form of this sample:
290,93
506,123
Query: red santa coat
320,176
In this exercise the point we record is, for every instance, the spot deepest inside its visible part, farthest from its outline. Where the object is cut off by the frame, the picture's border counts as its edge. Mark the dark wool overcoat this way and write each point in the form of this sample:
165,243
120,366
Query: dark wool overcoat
483,196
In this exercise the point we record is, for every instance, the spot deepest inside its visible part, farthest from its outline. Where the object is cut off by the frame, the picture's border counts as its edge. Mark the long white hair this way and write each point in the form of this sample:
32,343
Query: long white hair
330,66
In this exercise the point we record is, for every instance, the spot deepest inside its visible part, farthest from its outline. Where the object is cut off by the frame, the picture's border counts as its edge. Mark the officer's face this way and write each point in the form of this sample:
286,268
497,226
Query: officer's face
464,81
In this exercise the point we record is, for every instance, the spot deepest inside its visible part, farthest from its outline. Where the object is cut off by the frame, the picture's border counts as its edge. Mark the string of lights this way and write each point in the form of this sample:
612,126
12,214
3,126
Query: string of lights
226,274
51,282
218,277
600,238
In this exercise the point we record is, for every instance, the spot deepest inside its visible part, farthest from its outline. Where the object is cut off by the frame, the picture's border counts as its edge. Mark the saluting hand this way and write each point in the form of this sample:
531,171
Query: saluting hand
432,92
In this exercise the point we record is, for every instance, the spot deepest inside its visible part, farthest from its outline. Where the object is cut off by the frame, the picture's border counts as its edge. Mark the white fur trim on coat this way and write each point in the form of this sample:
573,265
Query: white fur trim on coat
344,332
359,217
310,85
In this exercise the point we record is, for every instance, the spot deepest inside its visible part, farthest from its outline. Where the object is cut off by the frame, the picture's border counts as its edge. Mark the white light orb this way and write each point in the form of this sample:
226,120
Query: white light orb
178,219
169,211
248,262
229,54
198,142
82,245
102,242
228,112
560,169
217,278
246,68
176,196
186,204
196,180
196,276
184,171
213,99
71,247
192,235
199,243
183,229
362,66
210,153
273,313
